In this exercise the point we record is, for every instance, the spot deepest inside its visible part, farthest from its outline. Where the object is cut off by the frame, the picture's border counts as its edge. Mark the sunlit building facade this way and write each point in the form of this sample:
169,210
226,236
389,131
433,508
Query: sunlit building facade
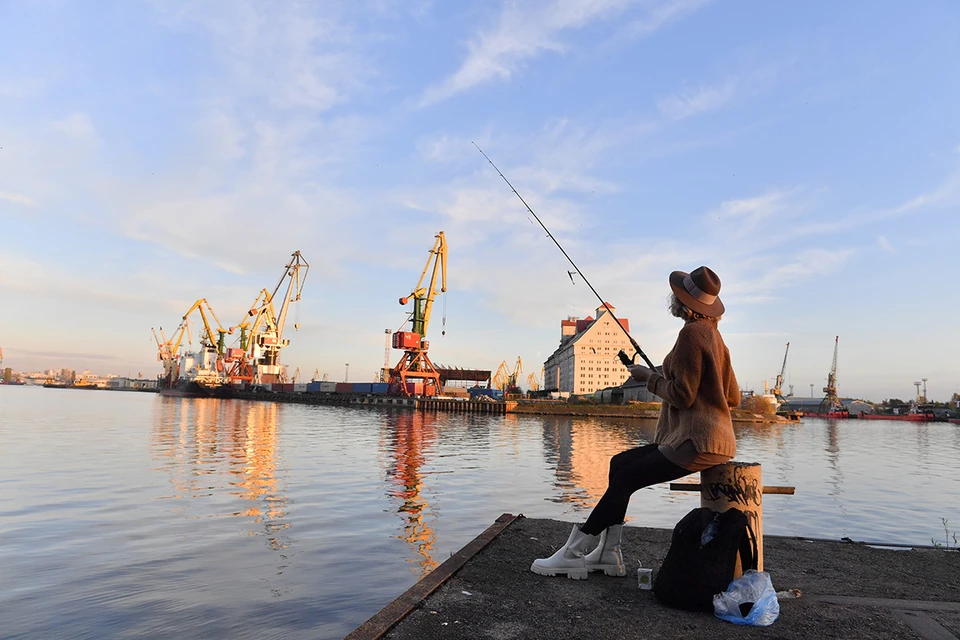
586,359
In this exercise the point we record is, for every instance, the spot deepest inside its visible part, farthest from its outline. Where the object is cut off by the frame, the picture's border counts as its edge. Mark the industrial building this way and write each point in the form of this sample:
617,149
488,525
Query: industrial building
586,360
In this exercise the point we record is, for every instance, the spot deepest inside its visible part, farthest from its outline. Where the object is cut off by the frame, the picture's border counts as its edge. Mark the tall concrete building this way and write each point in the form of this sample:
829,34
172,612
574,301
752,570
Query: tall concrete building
586,359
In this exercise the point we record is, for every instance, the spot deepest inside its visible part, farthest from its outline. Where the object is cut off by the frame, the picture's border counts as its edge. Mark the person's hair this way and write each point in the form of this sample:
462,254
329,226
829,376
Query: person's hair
685,313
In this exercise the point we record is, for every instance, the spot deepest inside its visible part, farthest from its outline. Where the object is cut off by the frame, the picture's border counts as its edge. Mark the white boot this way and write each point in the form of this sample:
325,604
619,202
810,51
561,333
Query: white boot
569,559
607,556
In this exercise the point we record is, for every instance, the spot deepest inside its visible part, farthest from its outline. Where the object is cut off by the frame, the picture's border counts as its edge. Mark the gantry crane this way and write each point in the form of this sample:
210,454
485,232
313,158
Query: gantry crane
777,389
415,364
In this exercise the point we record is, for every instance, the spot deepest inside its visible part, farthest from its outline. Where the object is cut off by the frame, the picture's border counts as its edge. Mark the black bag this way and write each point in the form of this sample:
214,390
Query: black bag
692,573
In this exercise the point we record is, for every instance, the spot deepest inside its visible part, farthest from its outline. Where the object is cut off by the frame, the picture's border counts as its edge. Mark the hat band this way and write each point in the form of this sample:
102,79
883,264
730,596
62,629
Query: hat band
697,292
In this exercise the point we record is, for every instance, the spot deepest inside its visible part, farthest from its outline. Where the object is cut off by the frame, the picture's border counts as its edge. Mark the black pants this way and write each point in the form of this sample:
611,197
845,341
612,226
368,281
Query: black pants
630,470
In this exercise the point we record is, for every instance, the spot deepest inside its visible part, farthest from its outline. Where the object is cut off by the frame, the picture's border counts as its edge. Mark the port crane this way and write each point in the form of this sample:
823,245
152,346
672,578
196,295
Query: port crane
257,359
415,364
208,363
506,380
533,382
777,389
831,400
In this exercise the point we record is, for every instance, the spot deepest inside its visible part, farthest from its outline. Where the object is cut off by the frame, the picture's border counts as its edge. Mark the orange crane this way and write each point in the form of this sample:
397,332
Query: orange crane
415,364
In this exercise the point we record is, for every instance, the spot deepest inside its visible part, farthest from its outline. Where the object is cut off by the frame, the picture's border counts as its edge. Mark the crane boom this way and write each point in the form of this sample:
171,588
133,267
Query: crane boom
423,297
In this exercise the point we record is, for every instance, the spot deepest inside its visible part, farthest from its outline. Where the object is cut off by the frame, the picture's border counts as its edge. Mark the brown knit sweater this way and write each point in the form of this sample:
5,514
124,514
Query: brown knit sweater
698,389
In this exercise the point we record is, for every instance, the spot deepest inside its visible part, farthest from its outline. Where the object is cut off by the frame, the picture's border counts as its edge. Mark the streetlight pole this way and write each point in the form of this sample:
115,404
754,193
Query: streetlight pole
346,374
811,390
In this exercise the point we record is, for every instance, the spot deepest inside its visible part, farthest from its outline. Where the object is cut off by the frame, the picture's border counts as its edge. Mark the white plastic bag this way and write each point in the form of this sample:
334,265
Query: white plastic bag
752,587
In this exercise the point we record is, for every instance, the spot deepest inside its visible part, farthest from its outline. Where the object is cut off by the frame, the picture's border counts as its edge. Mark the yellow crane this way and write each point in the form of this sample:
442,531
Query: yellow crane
257,359
415,364
211,344
533,382
506,380
501,376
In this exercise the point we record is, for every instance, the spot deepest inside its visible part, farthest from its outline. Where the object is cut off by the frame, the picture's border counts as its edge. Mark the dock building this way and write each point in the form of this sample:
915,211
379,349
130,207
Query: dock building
586,359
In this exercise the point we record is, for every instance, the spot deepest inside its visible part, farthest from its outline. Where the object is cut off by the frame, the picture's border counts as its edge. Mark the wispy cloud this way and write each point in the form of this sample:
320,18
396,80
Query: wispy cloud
885,244
528,30
659,15
699,100
18,198
77,126
287,54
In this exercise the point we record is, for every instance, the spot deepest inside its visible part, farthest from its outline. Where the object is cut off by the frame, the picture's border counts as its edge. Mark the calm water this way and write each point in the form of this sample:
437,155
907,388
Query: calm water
133,515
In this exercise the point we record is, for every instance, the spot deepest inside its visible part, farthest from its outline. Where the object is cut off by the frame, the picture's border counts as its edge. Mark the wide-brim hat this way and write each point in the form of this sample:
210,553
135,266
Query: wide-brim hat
699,290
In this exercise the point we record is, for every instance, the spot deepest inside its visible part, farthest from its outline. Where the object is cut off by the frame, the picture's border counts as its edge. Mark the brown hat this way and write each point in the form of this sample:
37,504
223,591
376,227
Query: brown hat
699,290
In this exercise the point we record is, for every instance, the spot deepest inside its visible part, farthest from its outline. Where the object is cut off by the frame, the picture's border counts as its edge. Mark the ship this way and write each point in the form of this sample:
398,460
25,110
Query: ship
915,414
217,371
197,374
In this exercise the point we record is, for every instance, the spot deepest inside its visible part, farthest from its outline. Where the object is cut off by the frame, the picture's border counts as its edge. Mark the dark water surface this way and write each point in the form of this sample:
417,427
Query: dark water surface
133,515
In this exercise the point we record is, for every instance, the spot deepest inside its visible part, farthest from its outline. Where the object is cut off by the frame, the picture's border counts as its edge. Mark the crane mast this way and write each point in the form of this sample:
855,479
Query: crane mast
415,364
777,389
831,399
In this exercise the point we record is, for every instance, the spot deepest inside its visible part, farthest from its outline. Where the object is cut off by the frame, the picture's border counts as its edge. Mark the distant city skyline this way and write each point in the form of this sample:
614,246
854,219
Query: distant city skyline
152,154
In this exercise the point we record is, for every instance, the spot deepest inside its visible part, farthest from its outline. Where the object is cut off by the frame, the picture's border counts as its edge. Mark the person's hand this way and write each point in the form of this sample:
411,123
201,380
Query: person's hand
640,373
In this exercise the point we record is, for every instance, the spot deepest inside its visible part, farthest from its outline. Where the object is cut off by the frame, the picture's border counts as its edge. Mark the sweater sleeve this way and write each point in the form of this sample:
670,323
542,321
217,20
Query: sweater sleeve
687,362
732,390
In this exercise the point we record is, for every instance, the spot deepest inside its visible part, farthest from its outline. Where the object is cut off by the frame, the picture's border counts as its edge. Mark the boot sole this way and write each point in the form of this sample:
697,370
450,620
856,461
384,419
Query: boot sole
573,574
609,570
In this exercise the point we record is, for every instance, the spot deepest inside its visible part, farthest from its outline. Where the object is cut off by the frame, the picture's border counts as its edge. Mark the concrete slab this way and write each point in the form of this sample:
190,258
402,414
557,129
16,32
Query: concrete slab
849,591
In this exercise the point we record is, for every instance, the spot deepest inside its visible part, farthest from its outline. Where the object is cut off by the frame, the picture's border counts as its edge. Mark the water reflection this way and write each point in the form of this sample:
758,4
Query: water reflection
204,442
580,450
409,436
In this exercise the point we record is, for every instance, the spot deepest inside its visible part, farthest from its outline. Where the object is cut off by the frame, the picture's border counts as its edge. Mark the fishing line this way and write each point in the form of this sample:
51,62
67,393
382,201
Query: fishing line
624,358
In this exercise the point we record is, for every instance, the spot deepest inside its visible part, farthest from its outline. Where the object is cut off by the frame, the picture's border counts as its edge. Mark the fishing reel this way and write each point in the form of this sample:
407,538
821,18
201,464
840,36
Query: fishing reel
627,360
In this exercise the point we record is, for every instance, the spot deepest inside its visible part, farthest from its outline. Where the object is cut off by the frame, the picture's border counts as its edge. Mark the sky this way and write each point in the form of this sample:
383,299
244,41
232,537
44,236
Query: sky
153,153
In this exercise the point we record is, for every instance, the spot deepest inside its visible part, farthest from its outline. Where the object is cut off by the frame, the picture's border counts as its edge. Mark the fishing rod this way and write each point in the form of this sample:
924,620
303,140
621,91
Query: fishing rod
624,358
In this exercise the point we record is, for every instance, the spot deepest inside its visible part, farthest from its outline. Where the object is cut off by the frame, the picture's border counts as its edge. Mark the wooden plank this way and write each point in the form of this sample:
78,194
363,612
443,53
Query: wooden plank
386,618
683,486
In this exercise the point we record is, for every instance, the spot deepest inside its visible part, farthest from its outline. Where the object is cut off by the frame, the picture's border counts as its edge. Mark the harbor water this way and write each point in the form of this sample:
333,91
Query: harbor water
134,515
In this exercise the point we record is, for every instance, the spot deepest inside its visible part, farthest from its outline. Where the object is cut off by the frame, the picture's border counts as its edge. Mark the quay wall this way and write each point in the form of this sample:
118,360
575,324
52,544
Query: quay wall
642,410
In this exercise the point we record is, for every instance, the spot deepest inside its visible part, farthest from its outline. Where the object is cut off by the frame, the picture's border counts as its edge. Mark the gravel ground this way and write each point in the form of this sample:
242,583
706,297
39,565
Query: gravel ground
496,596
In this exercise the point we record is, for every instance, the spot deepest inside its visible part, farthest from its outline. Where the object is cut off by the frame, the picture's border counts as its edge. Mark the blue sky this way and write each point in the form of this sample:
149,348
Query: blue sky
153,153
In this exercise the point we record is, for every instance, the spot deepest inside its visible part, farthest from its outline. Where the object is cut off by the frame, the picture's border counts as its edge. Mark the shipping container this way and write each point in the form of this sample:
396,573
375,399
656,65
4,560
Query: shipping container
300,387
406,340
415,388
344,387
277,387
313,387
361,387
328,387
379,387
475,392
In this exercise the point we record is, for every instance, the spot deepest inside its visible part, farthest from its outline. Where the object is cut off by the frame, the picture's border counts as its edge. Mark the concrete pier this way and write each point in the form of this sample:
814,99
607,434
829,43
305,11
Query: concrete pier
848,590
